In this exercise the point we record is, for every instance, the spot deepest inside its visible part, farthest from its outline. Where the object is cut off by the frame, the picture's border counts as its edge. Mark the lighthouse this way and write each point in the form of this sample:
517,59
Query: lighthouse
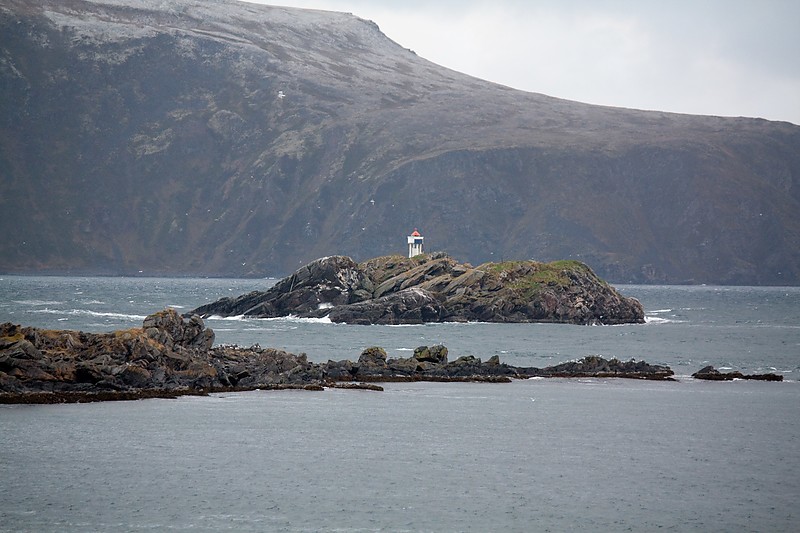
415,243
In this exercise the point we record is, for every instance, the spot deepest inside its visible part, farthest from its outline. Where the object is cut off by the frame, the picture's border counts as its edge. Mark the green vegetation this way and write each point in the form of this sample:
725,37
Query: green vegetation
504,266
532,277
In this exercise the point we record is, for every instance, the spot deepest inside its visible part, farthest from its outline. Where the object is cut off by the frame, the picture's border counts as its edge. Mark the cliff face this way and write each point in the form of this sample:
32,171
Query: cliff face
227,138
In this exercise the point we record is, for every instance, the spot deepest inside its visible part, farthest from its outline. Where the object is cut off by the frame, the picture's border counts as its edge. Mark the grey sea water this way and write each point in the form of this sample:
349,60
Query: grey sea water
534,455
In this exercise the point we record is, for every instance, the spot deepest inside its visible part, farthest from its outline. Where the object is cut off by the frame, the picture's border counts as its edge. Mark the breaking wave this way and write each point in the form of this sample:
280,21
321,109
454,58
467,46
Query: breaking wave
87,312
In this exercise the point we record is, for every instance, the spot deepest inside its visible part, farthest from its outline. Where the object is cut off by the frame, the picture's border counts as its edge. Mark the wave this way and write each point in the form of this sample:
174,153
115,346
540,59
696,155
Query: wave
88,312
660,320
37,302
290,318
220,317
654,311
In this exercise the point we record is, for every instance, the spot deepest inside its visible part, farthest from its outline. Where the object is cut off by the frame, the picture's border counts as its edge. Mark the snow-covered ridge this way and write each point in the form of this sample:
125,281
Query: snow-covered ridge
299,38
116,20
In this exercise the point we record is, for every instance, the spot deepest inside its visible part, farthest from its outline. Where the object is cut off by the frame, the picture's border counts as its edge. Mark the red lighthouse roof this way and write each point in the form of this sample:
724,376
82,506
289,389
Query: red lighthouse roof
416,233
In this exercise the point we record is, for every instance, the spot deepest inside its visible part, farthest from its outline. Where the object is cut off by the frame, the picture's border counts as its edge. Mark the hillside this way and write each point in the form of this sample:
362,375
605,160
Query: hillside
234,139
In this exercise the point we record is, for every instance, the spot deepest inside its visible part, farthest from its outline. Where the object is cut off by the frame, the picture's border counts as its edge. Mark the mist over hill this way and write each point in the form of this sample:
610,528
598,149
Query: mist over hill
223,138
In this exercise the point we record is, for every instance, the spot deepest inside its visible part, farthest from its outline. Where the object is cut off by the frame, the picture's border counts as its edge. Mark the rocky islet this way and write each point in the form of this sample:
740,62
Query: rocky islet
436,288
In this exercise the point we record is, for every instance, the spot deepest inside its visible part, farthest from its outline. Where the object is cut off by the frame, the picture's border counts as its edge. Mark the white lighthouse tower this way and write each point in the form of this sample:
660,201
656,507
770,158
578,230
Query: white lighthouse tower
415,243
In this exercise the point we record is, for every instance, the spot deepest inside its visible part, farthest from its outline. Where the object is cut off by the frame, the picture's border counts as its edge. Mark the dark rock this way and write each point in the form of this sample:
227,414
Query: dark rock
597,366
709,373
358,386
75,366
435,354
373,356
434,288
340,370
168,328
329,281
408,306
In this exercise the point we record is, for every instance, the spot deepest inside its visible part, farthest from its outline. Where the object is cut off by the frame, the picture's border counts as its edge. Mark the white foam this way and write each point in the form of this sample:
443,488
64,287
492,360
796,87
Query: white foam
293,318
219,317
659,320
88,312
289,318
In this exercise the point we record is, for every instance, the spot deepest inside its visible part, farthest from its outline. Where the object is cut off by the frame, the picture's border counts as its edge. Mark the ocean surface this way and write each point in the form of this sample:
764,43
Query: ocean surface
533,455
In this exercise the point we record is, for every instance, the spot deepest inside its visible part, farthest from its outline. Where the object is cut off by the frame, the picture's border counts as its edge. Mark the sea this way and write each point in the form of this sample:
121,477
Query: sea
531,455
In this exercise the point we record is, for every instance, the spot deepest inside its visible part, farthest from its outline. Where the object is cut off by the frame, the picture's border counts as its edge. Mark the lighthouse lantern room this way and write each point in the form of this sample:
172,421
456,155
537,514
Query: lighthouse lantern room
415,243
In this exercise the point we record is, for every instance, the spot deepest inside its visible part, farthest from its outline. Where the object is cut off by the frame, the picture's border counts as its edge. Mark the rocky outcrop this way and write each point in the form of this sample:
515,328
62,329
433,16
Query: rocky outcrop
710,373
431,364
599,367
319,285
436,288
170,356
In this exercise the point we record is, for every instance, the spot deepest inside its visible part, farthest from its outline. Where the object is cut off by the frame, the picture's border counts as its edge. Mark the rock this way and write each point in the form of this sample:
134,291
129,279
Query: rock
373,356
167,327
409,306
436,354
435,288
164,357
340,370
403,366
710,373
329,281
597,366
358,386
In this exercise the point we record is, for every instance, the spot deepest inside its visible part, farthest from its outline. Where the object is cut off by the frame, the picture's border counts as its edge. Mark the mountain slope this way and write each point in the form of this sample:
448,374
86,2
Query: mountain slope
227,138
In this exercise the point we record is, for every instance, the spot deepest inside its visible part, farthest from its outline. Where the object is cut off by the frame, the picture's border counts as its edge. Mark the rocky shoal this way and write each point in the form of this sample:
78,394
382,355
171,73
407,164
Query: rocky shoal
171,356
709,373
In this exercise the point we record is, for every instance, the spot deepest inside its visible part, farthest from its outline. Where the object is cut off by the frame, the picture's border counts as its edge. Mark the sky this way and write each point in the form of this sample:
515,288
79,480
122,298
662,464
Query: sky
706,57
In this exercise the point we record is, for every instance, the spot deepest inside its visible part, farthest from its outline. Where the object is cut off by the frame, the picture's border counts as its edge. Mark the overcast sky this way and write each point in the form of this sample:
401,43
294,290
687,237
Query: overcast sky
709,57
